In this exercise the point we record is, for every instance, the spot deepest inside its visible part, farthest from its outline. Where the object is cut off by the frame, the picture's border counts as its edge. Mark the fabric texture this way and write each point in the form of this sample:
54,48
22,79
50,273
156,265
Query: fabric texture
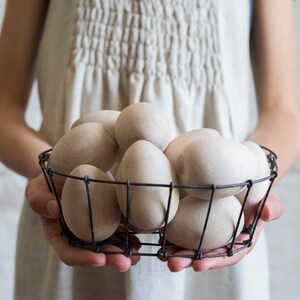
189,57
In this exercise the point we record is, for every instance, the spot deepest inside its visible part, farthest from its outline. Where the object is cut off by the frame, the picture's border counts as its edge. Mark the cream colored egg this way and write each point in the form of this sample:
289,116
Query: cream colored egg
216,161
259,189
105,117
187,226
176,146
145,163
142,121
106,214
88,143
108,119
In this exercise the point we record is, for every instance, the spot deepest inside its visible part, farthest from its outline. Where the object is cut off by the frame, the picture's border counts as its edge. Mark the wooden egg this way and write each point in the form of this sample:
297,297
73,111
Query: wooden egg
105,117
108,119
186,228
145,163
216,161
259,189
142,121
176,146
106,214
88,143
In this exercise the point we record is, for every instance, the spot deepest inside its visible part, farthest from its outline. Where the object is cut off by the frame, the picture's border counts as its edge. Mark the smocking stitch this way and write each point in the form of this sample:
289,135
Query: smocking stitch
161,38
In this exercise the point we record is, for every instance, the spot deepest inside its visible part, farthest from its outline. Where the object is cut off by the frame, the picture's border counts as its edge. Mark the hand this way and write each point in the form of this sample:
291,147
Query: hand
44,204
271,211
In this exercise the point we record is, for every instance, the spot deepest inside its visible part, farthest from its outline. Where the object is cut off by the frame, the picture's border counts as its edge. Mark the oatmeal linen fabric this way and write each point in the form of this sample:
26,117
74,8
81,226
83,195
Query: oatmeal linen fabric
191,57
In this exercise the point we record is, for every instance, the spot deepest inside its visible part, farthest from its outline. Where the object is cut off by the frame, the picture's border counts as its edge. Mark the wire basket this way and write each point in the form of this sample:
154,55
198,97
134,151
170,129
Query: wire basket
155,243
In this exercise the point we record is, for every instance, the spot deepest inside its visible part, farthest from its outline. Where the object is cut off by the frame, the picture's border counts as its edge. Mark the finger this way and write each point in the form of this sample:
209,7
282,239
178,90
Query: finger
41,200
217,258
134,258
133,240
177,258
176,264
273,208
119,261
70,255
211,263
73,256
134,244
217,262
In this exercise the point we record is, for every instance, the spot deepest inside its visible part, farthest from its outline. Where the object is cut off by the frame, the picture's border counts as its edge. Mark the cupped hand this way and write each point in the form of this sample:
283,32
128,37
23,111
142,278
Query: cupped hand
45,204
272,210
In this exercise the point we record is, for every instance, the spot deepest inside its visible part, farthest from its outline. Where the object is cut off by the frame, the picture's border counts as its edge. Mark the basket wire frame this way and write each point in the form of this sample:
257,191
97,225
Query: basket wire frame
160,248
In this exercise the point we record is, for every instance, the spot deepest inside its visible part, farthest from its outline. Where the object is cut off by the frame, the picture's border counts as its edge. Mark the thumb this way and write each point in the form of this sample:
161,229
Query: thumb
40,199
273,208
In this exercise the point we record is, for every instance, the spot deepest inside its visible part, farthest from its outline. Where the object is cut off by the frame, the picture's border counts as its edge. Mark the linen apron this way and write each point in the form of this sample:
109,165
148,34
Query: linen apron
191,57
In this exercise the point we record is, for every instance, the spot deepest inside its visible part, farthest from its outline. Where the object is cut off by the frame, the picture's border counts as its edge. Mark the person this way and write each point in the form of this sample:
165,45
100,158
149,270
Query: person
204,62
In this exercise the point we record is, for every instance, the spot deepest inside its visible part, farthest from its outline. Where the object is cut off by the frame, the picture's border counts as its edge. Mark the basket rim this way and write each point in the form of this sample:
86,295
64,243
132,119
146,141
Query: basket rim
272,158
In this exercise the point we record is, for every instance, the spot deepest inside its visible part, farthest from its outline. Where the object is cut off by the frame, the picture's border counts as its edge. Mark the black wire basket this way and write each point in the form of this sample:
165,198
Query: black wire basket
155,243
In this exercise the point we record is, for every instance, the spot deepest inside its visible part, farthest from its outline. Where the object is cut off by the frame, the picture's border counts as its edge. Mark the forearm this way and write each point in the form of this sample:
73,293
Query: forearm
274,66
19,41
19,144
278,130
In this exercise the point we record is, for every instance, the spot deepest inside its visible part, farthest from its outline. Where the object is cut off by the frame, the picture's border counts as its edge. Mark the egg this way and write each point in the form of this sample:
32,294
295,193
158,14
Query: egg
218,162
105,117
258,189
108,119
187,226
145,163
88,143
142,121
106,214
176,146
